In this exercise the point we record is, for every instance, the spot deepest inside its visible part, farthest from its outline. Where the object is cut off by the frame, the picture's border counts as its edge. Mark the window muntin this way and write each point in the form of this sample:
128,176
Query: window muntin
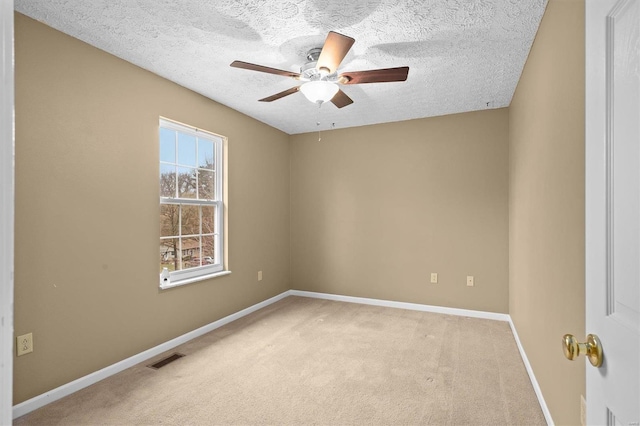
191,203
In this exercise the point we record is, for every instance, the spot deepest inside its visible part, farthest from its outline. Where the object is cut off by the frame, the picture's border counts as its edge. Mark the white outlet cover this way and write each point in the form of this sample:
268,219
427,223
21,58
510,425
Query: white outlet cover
24,344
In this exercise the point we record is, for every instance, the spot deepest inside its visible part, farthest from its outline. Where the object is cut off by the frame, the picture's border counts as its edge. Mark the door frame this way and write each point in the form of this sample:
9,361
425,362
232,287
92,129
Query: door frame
7,205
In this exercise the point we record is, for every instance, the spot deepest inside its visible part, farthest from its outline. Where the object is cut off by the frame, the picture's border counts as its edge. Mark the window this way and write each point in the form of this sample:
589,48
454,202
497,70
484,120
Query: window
191,204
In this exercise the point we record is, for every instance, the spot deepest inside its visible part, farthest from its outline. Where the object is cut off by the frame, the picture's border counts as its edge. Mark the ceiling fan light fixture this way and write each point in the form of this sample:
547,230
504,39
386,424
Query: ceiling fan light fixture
319,91
319,78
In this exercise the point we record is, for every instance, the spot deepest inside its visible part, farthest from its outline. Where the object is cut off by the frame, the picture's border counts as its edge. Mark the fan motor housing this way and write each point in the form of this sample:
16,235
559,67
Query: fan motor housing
310,71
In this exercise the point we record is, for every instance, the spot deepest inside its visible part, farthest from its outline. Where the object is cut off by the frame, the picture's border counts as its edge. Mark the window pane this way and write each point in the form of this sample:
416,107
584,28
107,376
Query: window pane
206,188
208,254
186,149
190,220
168,258
169,220
190,252
208,220
167,181
190,196
205,154
167,145
186,182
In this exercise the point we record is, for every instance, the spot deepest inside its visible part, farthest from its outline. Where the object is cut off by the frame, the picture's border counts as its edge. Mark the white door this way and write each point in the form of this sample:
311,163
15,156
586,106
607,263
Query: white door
6,209
613,208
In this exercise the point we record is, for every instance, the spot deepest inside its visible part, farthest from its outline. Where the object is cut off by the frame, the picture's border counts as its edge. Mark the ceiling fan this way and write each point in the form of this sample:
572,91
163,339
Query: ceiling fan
320,75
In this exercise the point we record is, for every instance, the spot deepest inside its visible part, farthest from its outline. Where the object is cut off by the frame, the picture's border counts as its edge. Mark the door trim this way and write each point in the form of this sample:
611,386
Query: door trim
6,210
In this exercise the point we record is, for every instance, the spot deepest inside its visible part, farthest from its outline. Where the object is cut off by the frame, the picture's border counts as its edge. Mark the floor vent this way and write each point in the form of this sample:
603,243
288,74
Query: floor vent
165,361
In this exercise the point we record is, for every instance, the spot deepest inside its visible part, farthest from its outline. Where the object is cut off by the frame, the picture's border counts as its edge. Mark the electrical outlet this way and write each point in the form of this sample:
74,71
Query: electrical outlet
583,410
434,277
24,344
469,280
259,275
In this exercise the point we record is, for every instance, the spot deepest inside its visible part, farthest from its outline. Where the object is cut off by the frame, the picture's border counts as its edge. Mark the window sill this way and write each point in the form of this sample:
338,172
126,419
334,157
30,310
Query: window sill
178,283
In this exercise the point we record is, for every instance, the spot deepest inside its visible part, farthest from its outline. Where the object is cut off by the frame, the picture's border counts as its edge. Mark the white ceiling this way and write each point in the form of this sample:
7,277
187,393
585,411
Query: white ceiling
464,55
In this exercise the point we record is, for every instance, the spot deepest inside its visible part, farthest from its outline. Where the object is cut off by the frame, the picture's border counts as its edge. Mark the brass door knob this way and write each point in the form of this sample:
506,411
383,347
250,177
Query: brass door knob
592,348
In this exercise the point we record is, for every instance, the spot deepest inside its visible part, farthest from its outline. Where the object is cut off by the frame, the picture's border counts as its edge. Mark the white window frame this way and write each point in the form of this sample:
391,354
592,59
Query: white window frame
170,279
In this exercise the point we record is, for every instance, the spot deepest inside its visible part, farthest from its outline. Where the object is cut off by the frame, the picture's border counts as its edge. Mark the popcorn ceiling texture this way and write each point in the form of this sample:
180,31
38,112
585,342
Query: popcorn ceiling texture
463,55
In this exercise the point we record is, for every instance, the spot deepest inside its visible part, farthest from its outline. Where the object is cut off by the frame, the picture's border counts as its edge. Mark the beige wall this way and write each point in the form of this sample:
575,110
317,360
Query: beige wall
86,250
546,205
375,209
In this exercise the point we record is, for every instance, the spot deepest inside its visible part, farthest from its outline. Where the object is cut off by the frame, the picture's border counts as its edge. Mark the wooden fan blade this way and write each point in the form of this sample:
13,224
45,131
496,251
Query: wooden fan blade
341,99
335,48
375,76
262,68
281,94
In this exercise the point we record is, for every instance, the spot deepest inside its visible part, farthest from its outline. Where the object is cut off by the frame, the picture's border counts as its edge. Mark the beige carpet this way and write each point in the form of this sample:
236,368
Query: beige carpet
309,361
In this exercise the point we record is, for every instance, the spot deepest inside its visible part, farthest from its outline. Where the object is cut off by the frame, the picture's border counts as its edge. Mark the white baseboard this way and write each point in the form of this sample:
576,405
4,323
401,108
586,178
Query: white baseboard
403,305
88,380
532,377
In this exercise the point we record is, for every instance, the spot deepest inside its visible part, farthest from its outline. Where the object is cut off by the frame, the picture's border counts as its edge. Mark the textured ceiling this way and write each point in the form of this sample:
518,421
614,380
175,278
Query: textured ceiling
464,55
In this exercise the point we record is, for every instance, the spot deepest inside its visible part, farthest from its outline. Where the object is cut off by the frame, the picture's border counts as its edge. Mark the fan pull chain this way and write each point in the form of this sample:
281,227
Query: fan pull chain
318,122
333,125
